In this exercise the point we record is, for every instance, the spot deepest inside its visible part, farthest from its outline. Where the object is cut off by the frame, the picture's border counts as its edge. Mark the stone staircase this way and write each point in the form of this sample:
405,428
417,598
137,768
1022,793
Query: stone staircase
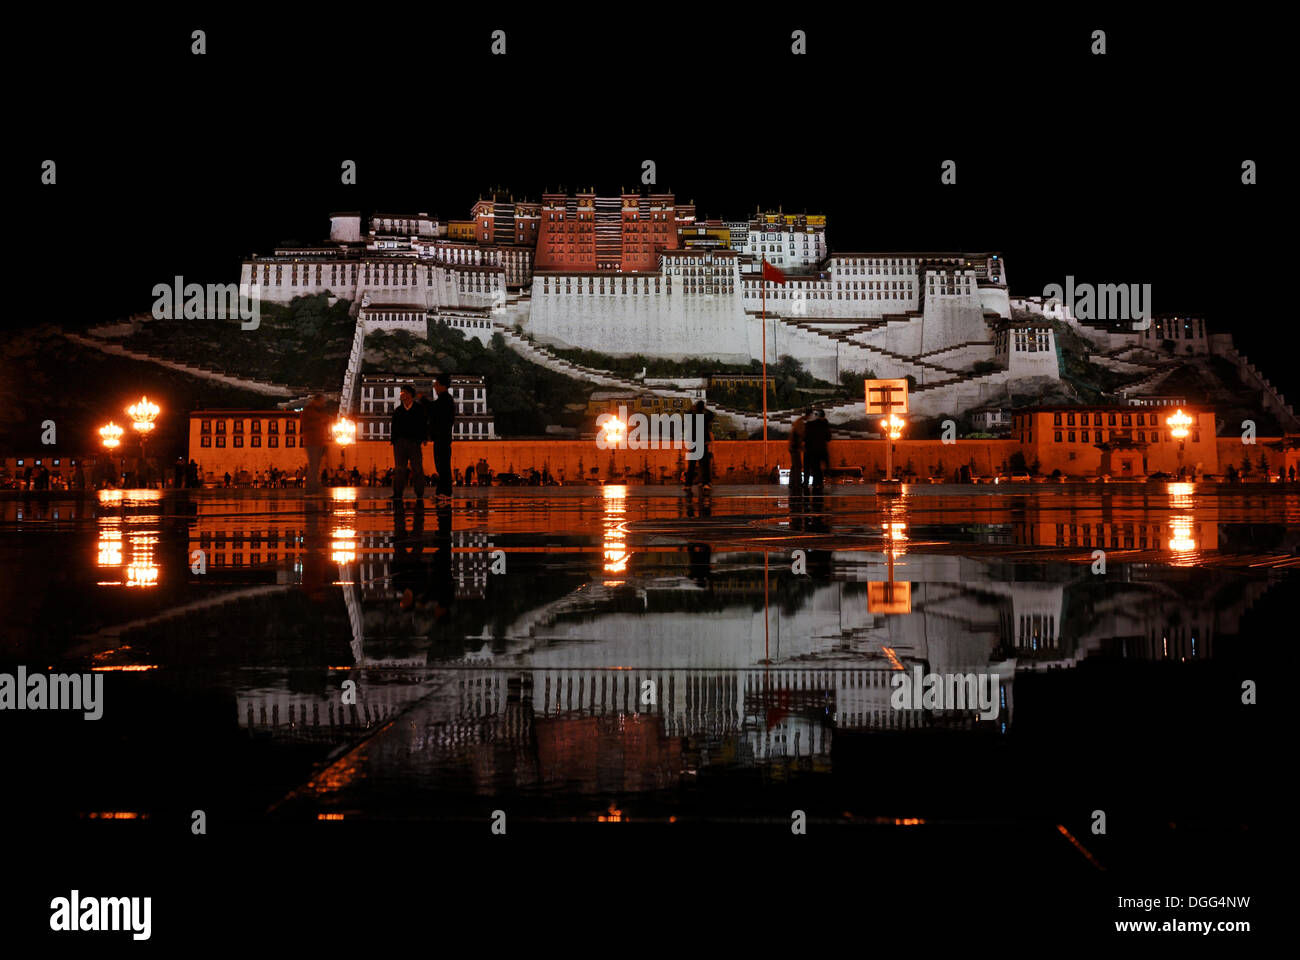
877,357
194,370
545,358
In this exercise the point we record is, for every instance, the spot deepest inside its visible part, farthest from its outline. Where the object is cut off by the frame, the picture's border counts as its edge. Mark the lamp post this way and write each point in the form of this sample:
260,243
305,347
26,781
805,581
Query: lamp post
1178,423
142,416
345,432
110,435
892,426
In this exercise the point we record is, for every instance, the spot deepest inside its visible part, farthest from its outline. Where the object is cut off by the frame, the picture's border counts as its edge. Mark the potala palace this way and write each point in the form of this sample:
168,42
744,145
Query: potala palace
639,274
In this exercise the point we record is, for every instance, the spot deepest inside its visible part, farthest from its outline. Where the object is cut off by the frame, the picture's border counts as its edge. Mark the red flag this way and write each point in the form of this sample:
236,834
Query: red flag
772,273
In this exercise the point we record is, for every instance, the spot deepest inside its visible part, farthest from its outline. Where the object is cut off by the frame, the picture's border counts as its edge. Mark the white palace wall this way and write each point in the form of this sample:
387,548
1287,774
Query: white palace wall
676,325
395,281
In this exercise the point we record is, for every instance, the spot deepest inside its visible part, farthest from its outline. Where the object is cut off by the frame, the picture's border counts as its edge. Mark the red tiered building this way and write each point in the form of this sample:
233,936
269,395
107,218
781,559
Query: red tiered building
502,220
584,232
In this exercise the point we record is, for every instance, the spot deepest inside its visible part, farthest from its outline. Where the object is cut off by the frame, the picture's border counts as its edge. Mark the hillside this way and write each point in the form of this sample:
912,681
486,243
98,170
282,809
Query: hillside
523,397
43,376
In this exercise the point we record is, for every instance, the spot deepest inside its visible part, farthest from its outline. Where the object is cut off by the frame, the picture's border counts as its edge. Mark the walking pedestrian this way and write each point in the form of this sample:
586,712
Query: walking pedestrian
315,420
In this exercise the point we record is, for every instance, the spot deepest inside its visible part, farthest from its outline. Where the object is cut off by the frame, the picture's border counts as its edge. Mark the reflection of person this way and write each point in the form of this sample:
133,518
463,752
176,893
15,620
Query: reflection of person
817,439
442,420
418,590
409,428
442,588
315,427
407,554
700,557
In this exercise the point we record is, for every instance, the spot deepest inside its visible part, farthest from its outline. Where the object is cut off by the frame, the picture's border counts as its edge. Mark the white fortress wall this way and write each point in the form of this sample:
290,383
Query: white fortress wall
384,280
995,299
570,311
952,319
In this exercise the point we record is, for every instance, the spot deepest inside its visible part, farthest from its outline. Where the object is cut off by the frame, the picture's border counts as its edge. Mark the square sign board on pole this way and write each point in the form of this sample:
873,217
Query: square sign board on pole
885,397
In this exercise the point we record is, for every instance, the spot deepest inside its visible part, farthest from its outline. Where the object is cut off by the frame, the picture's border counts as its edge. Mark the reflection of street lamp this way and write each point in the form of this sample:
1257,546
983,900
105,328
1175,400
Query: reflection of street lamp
1178,423
892,426
142,416
1181,540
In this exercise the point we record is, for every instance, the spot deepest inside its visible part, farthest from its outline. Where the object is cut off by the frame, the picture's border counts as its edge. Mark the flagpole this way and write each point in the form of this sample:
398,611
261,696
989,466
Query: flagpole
763,274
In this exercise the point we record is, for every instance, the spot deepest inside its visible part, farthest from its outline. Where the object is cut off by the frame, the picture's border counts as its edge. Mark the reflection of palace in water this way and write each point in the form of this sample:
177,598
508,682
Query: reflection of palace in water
564,680
748,660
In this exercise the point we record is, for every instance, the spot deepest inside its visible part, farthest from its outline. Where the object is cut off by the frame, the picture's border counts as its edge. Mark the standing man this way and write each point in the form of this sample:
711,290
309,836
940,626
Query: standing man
442,419
705,462
409,428
798,433
817,441
314,429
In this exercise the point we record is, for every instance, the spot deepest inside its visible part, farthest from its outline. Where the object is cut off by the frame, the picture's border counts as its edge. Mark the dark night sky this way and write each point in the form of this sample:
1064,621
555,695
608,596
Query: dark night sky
1116,169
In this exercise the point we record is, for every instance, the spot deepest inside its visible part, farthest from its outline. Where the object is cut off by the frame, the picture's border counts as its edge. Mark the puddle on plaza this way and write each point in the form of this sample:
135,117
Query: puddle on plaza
630,653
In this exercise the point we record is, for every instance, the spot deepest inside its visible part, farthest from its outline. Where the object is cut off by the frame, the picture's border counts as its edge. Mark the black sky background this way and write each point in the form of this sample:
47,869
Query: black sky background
1117,169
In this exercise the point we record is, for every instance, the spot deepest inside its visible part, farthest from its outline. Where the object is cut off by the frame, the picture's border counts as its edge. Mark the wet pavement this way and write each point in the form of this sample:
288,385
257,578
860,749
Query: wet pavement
638,655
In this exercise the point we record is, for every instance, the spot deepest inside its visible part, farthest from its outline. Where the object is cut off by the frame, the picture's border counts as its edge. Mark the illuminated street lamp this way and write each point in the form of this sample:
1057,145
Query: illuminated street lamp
613,430
110,435
345,433
142,416
1178,423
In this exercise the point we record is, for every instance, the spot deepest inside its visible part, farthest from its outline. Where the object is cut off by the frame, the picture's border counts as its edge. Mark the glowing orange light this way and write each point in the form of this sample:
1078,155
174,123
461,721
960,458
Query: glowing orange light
126,668
143,414
893,425
1178,422
110,435
615,535
110,548
345,431
614,429
1181,540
